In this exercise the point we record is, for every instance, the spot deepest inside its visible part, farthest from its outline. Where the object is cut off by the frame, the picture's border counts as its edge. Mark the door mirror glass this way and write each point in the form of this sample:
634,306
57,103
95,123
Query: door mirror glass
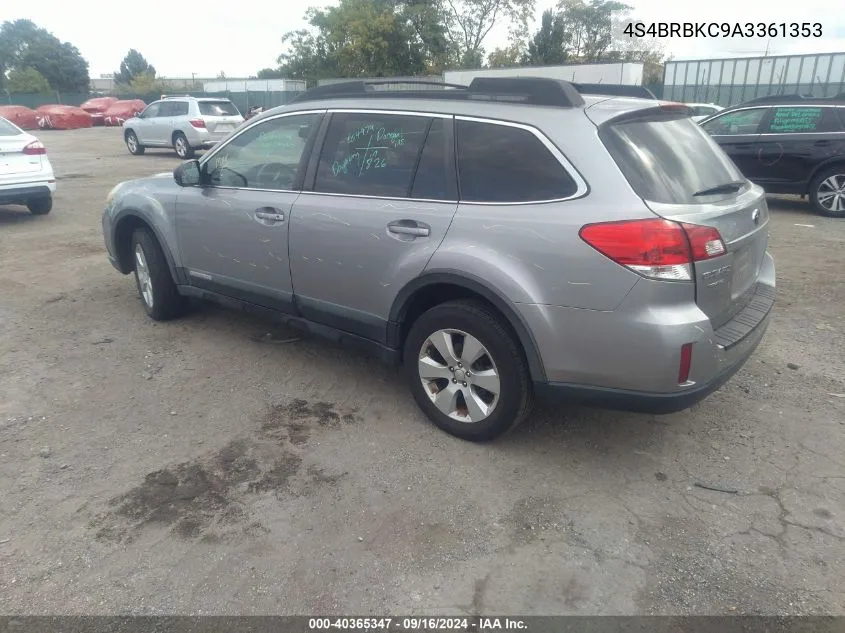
187,174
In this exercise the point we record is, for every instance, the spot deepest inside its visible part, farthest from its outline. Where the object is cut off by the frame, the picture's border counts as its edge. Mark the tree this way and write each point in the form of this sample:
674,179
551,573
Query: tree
507,57
270,73
221,75
143,84
588,27
27,81
548,46
133,64
23,45
468,22
367,38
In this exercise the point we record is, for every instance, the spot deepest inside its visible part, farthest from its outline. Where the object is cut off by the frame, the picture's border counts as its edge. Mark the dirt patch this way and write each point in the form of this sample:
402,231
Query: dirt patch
211,492
294,420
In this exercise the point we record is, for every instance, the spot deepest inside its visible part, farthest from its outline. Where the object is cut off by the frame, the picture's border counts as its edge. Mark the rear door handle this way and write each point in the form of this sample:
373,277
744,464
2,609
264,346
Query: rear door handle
268,213
409,227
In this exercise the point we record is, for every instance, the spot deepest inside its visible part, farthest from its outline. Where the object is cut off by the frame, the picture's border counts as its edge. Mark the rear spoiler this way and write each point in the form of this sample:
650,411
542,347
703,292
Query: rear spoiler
615,90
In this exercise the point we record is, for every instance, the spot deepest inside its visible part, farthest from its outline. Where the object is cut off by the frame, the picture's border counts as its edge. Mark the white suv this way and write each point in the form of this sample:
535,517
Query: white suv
183,123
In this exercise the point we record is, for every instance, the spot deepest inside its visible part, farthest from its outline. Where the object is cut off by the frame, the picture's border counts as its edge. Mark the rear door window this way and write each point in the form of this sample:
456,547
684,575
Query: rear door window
803,119
736,123
502,163
218,108
372,154
667,159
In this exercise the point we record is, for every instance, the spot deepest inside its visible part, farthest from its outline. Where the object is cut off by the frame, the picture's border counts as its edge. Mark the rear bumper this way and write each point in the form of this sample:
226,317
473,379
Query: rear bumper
19,194
201,138
629,358
650,402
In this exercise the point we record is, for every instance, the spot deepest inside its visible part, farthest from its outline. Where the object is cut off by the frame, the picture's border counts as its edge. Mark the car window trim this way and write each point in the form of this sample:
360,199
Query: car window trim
581,187
218,148
321,140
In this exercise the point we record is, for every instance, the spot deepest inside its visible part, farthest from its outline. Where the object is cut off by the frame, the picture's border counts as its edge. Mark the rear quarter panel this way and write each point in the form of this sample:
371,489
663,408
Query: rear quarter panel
532,253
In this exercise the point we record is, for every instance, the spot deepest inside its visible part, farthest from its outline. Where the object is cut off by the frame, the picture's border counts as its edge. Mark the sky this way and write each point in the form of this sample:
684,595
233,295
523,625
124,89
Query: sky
206,38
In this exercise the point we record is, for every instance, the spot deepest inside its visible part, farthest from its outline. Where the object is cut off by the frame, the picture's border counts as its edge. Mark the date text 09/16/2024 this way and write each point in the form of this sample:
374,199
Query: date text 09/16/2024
377,624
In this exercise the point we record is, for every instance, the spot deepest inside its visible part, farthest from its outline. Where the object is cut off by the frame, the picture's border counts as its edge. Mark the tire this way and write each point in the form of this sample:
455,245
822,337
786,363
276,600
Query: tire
502,355
823,192
153,279
182,147
133,144
40,206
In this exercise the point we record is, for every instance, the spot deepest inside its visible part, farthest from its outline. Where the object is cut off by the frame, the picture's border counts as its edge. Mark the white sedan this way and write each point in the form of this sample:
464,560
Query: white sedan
26,175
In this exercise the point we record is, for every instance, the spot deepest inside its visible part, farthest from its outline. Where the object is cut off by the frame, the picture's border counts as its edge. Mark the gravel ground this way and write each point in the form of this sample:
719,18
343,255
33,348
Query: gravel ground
197,467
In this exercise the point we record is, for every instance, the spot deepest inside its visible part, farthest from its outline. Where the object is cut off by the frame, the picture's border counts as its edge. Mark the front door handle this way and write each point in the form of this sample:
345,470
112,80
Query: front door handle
268,213
409,227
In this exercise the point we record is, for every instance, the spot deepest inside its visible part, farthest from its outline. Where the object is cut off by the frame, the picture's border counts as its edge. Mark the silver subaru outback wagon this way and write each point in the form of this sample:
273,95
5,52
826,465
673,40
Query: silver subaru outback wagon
498,240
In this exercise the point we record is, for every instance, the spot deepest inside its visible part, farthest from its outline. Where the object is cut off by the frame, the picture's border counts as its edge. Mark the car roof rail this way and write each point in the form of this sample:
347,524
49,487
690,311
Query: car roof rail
525,90
615,90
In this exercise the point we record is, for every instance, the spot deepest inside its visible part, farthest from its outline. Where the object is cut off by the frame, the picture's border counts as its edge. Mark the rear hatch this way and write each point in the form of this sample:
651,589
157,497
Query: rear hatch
15,165
684,176
220,115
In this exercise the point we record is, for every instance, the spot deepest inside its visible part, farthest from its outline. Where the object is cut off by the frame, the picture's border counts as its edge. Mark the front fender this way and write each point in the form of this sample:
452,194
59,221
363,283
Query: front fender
156,211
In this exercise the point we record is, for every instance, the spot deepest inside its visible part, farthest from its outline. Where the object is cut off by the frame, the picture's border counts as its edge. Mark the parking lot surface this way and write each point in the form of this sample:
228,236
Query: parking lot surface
211,465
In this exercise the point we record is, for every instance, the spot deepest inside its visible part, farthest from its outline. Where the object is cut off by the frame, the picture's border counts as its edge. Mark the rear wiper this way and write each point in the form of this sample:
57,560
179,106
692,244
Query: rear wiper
728,187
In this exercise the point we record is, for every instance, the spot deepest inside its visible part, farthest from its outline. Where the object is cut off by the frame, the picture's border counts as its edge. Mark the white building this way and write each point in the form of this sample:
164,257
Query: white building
628,74
254,85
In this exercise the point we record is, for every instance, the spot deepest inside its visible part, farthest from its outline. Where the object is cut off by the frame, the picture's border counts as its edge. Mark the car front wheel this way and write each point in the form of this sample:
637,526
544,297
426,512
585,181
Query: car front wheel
155,284
133,145
467,371
827,192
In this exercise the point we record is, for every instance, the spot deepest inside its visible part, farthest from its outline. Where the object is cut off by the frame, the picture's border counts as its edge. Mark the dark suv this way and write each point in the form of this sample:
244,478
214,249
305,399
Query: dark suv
792,145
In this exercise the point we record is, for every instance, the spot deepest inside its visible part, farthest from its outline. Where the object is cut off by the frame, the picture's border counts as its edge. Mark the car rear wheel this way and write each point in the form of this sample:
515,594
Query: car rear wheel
827,193
467,371
40,206
183,149
152,277
133,144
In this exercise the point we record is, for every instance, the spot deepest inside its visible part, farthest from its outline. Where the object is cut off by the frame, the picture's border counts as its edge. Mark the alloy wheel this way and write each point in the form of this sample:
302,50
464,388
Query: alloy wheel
142,272
459,375
831,193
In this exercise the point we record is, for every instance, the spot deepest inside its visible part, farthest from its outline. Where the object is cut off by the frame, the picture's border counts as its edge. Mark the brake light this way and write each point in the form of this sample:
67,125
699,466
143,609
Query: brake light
35,148
705,241
198,123
686,363
655,248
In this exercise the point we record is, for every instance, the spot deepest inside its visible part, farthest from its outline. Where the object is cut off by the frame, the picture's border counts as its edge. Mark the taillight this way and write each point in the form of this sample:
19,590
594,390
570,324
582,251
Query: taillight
705,241
35,148
655,248
197,122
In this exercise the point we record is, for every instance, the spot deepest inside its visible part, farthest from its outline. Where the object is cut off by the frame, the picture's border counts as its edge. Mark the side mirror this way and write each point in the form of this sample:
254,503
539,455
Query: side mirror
187,174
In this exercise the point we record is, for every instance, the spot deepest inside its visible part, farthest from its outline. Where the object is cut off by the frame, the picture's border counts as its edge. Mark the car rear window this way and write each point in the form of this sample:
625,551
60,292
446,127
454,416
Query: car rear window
668,160
7,129
218,108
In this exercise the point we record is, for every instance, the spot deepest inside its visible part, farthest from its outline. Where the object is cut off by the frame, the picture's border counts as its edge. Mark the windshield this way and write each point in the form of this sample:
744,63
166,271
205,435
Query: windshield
670,160
7,129
218,108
